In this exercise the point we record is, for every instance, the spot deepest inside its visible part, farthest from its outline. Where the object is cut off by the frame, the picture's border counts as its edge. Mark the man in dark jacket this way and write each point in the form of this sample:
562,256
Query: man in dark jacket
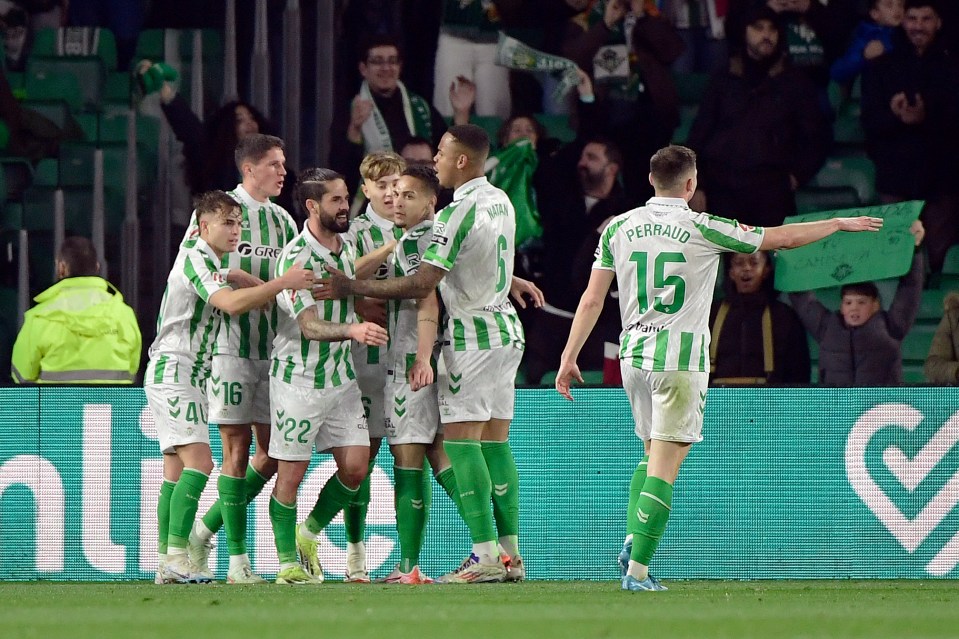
910,113
759,132
861,344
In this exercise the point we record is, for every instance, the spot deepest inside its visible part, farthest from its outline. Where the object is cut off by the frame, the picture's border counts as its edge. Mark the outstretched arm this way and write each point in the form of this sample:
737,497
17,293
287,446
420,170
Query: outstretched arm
415,286
801,233
590,306
313,328
242,300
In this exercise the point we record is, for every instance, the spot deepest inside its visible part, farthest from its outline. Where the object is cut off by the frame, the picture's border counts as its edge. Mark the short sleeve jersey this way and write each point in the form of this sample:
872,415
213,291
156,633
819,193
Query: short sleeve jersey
401,314
297,360
187,324
368,232
666,257
474,240
264,230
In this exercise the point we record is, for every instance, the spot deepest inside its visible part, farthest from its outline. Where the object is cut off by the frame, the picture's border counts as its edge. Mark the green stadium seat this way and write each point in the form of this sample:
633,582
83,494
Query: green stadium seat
913,374
687,115
16,80
930,305
47,172
89,123
118,87
77,41
11,216
38,207
557,126
847,128
489,123
856,172
951,264
811,199
78,80
915,347
55,110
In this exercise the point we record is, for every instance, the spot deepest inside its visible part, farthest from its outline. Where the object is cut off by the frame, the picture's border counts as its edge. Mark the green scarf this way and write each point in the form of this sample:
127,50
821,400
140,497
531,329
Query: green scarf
376,136
511,169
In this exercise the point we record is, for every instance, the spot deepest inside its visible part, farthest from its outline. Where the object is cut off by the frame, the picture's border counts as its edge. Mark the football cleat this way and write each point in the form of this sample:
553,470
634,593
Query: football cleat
515,570
307,553
296,576
649,584
243,575
414,578
199,552
623,557
159,578
471,571
356,572
178,569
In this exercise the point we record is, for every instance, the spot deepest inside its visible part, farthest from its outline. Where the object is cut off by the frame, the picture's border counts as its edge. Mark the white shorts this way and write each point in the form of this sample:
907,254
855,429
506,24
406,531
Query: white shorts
239,390
371,378
414,416
180,415
306,418
668,405
480,385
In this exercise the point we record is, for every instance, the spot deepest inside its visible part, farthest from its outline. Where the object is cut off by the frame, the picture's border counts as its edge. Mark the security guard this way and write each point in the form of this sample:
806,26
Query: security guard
80,331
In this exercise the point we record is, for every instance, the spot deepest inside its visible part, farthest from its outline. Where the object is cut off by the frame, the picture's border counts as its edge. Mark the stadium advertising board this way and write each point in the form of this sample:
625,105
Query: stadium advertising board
789,483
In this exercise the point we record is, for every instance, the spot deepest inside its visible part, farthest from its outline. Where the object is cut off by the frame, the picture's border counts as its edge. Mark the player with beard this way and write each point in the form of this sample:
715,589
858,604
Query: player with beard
314,398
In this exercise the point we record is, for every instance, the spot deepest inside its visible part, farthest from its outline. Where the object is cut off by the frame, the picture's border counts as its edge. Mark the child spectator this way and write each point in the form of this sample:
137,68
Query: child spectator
872,38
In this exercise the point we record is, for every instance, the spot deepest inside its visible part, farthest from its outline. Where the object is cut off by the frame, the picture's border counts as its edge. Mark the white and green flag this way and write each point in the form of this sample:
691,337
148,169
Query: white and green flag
513,54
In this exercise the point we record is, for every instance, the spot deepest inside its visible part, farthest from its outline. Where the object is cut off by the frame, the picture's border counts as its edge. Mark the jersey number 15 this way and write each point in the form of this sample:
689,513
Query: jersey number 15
660,282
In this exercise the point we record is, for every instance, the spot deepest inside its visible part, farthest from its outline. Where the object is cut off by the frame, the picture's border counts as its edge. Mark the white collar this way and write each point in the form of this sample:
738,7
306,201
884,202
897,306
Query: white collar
466,187
378,220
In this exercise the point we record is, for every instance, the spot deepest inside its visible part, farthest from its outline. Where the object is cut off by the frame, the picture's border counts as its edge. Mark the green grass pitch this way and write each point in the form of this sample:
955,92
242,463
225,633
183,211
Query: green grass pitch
694,609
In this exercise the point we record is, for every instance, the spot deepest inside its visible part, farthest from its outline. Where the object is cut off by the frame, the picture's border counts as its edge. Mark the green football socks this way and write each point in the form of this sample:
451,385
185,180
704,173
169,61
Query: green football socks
183,506
447,481
233,503
652,513
474,487
411,514
354,513
333,498
505,484
213,519
283,518
635,488
163,514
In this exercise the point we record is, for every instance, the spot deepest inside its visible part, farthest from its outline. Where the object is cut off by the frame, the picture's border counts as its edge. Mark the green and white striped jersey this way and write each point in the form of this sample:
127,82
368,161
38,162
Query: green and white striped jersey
265,230
368,232
665,257
473,239
401,314
297,360
187,324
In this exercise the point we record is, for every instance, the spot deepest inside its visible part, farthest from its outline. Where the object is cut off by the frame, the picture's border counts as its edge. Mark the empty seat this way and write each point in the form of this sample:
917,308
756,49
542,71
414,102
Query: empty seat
915,346
39,204
856,172
50,78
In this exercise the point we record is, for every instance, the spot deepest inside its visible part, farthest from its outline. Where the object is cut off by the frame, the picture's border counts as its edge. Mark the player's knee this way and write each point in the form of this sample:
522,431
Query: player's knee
204,465
264,464
352,475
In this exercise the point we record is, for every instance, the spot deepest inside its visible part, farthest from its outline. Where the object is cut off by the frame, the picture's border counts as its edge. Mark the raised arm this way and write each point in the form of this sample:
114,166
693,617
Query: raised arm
236,301
801,233
366,266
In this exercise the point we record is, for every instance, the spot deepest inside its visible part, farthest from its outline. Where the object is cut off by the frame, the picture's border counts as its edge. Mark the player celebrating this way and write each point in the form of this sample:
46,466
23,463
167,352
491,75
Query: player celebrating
314,397
470,258
180,365
368,232
239,383
665,256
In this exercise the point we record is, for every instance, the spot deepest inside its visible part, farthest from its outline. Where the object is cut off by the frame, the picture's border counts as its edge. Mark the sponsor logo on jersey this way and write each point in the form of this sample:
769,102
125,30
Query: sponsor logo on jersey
505,307
246,249
644,328
440,239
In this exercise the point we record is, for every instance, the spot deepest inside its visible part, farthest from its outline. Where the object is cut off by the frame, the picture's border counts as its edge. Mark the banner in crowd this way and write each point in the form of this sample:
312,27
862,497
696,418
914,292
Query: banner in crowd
849,258
513,54
789,483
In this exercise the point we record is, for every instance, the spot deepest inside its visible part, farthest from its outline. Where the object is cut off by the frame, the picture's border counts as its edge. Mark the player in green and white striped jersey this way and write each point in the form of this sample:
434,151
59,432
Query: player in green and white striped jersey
239,383
314,398
665,256
470,258
179,366
368,232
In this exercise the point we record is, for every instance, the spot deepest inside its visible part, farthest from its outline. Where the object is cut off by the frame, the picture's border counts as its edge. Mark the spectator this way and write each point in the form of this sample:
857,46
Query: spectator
628,47
467,48
756,339
384,115
419,150
942,364
860,345
872,38
910,114
759,133
701,25
578,190
80,332
209,147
